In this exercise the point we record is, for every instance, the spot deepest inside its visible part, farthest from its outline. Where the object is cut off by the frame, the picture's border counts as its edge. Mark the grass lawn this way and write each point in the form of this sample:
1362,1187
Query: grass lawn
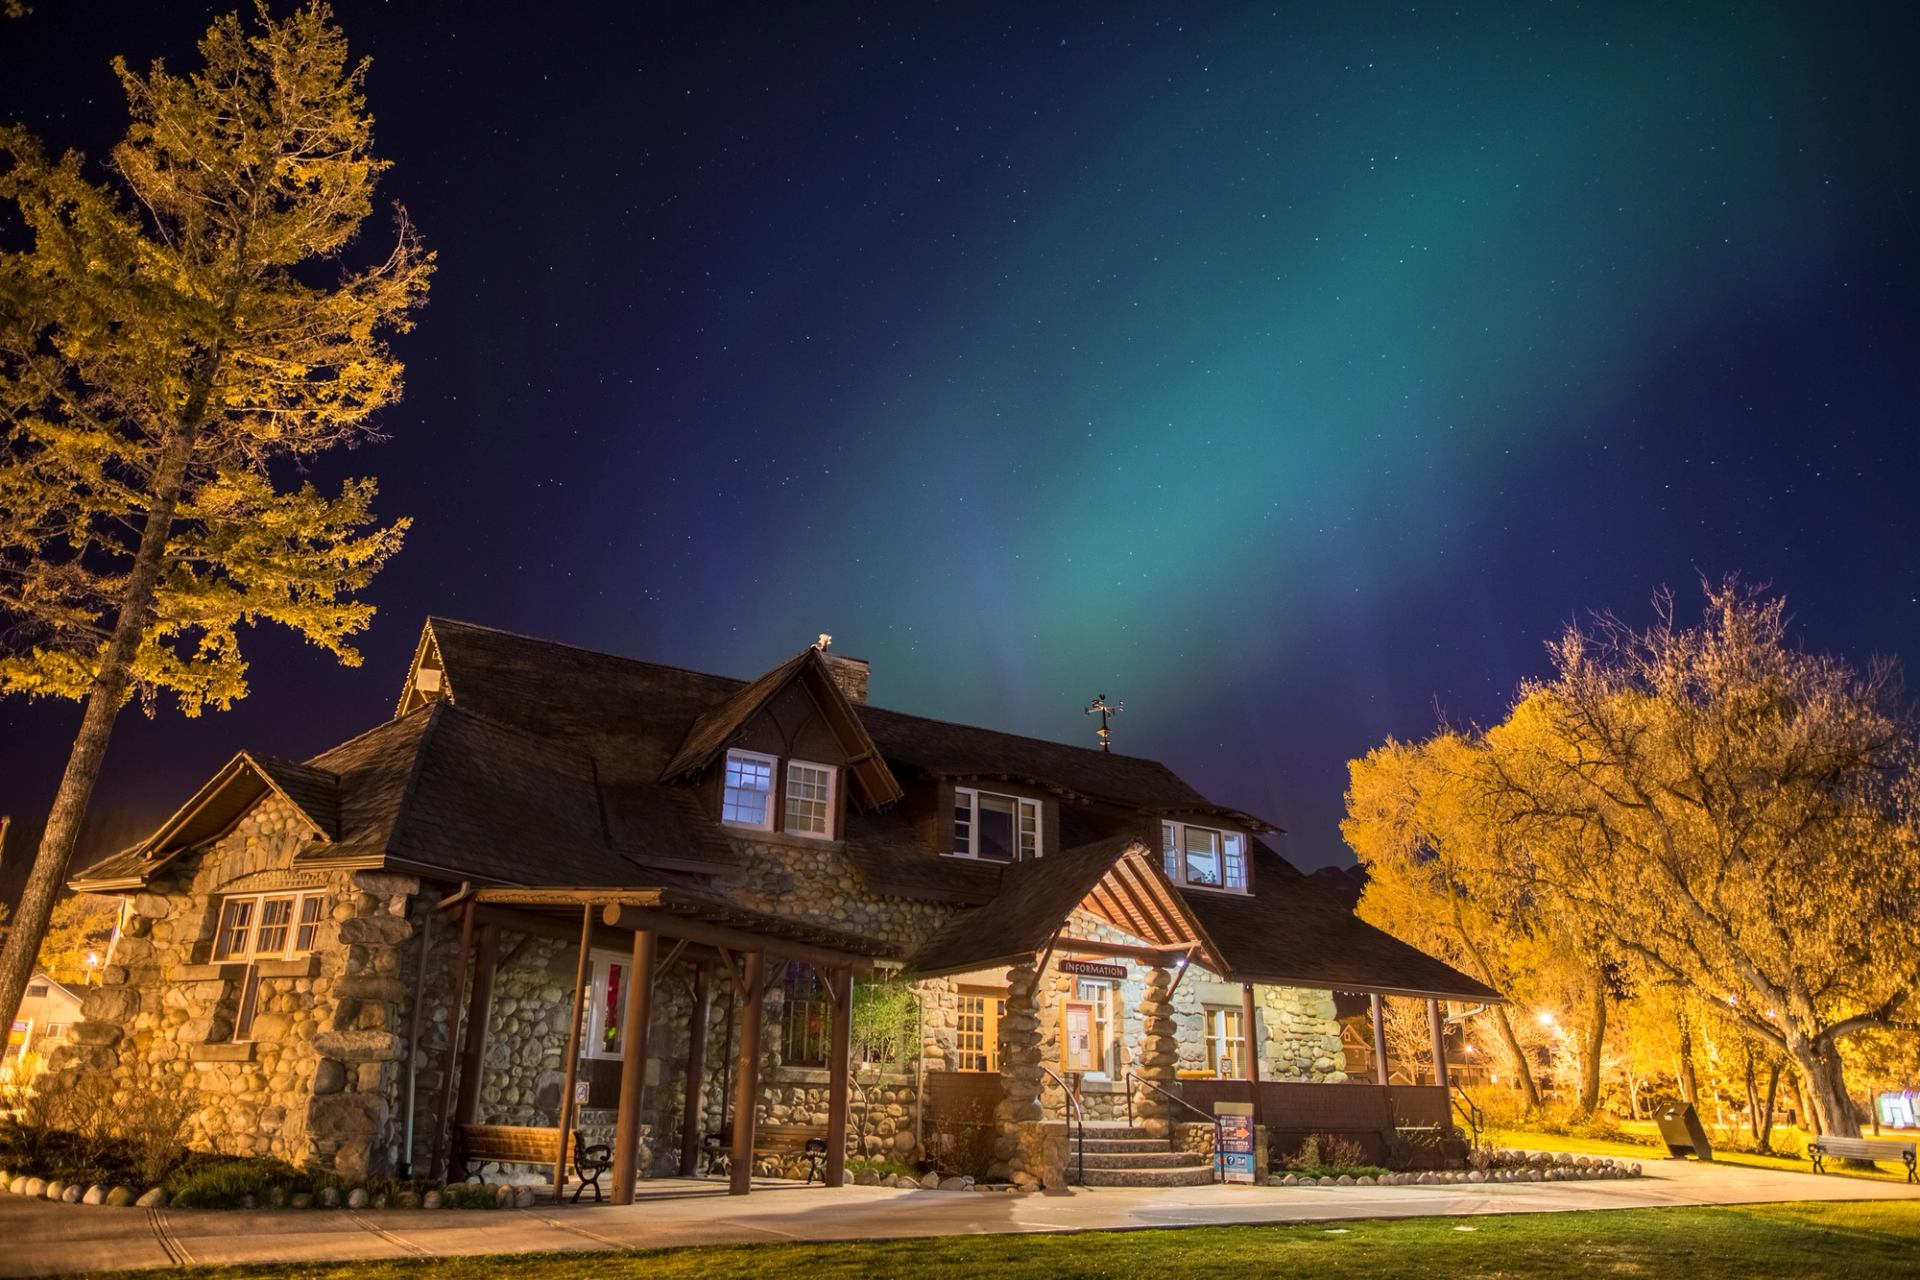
1533,1141
1798,1239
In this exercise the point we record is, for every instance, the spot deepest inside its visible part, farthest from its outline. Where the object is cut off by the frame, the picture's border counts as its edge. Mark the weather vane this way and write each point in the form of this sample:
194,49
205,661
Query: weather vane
1106,711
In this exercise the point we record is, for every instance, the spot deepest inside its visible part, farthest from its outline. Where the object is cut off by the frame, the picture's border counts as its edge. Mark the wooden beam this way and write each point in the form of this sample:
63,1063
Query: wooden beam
633,1068
746,1084
443,1118
539,926
479,1008
573,1049
694,1117
669,925
1250,1031
1437,1025
1379,1041
839,1074
1151,955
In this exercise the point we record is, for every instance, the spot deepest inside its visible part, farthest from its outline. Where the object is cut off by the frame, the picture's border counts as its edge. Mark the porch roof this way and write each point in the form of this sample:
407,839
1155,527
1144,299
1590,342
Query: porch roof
676,912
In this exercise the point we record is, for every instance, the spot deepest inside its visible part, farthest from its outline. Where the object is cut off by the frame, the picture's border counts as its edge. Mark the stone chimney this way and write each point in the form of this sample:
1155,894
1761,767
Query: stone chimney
849,673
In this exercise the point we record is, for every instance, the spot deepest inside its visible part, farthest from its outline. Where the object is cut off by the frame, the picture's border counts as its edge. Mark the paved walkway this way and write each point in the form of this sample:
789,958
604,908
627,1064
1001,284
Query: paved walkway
48,1239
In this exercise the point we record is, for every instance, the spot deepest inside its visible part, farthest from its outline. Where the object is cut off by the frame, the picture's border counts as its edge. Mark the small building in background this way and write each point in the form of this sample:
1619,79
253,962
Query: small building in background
46,1018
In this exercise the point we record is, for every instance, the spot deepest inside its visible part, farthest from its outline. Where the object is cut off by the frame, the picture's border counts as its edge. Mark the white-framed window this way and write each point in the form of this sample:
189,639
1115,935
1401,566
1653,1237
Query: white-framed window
1226,1043
263,926
809,798
747,800
606,1006
995,828
1203,857
976,1028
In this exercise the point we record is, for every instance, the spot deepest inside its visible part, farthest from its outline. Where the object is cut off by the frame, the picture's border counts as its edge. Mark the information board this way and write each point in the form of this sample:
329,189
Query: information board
1236,1140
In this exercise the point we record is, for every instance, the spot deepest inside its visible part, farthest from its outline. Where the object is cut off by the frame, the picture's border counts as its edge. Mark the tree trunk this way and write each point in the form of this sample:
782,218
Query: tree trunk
104,700
1753,1096
1689,1080
1826,1083
1521,1067
1773,1096
1596,1038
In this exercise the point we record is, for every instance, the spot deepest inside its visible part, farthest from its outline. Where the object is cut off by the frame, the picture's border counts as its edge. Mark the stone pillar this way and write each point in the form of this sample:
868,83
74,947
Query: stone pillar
1019,1069
1159,1054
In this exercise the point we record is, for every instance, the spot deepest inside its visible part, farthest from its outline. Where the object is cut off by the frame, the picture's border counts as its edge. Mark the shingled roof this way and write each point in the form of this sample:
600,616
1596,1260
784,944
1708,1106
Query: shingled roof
532,763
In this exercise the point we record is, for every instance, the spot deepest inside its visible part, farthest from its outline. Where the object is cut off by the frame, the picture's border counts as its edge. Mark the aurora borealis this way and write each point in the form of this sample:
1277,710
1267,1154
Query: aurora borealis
1286,373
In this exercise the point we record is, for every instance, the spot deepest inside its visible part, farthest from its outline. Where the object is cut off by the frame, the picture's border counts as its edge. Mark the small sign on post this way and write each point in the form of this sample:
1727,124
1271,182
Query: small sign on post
1236,1141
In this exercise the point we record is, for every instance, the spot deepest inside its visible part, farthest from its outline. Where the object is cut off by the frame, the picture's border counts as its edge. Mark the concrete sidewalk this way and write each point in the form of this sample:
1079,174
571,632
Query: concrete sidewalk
49,1239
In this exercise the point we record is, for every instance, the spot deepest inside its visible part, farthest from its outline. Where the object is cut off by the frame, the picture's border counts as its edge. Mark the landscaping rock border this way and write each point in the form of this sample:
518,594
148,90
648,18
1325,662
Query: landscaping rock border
1503,1167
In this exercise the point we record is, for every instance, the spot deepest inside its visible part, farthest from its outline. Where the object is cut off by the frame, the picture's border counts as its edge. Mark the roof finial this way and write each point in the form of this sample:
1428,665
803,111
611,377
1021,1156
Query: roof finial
1106,710
824,642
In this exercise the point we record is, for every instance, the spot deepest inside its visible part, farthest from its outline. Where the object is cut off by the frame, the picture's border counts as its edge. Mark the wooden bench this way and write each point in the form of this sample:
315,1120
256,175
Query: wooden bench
1824,1148
501,1144
807,1140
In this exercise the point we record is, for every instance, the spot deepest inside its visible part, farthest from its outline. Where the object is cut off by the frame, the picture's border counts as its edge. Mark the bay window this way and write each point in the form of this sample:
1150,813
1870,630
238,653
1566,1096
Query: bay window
995,828
1202,857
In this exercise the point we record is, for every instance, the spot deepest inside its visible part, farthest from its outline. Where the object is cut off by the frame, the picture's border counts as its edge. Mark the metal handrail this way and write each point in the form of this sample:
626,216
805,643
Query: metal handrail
1074,1112
1470,1111
1219,1129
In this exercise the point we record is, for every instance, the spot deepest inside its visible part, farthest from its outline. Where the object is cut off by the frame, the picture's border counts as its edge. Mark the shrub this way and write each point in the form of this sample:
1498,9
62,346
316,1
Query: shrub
964,1142
469,1195
231,1184
885,1168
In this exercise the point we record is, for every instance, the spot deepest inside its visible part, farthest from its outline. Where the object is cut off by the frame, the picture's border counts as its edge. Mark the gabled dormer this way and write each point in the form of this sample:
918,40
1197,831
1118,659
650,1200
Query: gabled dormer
785,753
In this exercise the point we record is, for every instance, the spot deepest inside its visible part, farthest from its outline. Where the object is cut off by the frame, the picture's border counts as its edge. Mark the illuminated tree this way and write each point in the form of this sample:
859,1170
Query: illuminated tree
172,338
1441,874
1735,814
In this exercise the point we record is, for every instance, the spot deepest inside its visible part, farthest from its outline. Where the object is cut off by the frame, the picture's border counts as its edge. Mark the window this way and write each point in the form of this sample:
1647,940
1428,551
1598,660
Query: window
1106,1053
262,926
995,828
806,1025
976,1042
1204,858
1226,1044
606,1008
748,798
809,798
36,990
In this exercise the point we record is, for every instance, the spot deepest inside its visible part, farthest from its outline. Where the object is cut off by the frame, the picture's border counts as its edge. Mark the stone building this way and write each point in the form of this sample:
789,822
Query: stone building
565,890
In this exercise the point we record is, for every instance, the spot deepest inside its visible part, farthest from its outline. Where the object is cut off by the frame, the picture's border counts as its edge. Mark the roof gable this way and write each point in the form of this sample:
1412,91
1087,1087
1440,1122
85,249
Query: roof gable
712,731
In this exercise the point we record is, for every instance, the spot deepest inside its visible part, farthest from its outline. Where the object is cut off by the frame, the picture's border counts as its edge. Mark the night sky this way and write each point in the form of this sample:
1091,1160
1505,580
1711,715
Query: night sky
1290,375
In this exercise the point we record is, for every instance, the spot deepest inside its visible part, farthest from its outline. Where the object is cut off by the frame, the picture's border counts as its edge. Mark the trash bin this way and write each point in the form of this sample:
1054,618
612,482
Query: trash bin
1680,1129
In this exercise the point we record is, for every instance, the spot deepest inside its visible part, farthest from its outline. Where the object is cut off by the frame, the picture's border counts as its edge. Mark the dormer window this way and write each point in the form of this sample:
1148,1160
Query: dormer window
995,828
809,798
1203,857
747,800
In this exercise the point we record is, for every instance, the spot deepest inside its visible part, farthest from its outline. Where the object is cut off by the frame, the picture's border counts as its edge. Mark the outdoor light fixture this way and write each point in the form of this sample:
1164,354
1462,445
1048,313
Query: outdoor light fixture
1546,1018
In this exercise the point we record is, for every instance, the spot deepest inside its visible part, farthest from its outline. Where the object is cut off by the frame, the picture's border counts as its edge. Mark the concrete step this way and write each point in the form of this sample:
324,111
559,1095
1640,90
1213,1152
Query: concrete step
1196,1177
1114,1129
1161,1159
1121,1144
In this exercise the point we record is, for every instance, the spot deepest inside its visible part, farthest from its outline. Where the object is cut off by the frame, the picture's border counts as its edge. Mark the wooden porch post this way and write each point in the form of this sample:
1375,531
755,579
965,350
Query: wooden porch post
1438,1025
839,1069
694,1119
1379,1041
573,1051
479,1012
451,1064
633,1067
1250,1030
747,1082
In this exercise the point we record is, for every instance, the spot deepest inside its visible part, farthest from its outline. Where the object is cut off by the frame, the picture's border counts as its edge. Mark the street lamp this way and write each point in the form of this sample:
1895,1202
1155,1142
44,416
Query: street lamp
1546,1018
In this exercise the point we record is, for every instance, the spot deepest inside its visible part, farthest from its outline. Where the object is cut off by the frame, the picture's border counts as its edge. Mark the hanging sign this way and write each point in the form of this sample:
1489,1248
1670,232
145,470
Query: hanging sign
1076,1036
1236,1140
1094,969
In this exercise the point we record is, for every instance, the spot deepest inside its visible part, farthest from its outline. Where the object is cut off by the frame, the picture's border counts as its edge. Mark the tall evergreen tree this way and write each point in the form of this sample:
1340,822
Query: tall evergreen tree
169,332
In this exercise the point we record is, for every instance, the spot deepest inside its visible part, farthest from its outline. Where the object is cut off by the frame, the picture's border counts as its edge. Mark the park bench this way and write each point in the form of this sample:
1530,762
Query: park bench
808,1140
504,1144
1826,1147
